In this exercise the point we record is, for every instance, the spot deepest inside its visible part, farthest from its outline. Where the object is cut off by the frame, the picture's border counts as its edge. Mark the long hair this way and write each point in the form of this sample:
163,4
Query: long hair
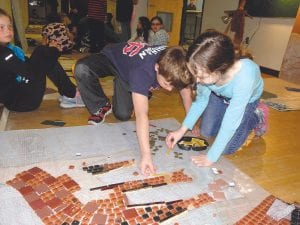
212,52
146,26
173,67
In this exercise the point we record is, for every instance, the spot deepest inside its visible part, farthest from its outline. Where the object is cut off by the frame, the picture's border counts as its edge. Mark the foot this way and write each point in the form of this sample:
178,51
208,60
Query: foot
100,115
262,112
75,102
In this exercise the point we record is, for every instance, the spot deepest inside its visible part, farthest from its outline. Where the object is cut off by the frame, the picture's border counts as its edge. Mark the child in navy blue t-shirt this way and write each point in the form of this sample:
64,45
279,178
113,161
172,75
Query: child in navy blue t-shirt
138,70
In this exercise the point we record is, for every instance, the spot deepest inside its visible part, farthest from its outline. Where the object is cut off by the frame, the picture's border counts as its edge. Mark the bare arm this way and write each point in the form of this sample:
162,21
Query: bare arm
140,103
186,96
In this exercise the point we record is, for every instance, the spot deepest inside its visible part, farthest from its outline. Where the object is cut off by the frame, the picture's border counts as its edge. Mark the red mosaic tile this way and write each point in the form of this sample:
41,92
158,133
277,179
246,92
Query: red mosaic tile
26,190
91,207
62,193
17,184
44,212
27,177
49,180
54,203
41,188
71,210
31,197
219,195
35,170
70,184
37,204
130,213
71,167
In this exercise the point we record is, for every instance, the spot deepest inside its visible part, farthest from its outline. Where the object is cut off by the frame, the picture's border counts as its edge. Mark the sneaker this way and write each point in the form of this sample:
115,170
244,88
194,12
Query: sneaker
262,111
71,102
100,115
60,98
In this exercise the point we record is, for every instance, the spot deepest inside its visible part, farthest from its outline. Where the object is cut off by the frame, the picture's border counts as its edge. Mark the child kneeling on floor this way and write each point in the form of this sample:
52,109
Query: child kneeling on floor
23,81
227,99
138,69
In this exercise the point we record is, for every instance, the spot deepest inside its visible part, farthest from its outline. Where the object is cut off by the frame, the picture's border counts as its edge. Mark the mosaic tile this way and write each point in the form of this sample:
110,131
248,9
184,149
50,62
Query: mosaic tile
259,215
59,205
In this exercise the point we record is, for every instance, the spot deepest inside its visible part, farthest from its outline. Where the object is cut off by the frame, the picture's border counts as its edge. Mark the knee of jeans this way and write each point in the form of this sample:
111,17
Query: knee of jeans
123,116
80,71
207,131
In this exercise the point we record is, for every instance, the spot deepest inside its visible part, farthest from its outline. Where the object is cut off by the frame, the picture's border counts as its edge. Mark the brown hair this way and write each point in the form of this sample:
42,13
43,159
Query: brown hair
4,13
212,51
172,66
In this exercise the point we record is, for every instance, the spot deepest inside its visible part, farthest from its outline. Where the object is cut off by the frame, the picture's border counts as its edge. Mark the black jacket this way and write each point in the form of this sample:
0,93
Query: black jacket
11,67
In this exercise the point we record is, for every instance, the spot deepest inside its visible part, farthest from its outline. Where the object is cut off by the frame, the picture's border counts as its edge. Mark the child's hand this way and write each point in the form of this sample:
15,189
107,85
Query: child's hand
146,166
173,137
201,160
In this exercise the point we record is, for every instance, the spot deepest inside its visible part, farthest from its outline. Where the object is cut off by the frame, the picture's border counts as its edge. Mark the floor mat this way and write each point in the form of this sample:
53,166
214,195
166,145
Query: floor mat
58,155
284,104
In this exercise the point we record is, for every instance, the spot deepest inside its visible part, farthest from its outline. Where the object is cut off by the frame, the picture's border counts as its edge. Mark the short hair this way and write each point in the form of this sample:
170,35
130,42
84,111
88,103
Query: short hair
212,51
157,18
173,67
4,13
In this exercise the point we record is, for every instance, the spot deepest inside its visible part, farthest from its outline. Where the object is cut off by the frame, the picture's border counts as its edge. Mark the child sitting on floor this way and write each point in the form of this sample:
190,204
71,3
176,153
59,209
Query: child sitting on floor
228,93
23,81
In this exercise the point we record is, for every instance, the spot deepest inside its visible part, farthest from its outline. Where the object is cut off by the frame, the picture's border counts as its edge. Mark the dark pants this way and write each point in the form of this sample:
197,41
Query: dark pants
87,73
28,97
97,37
125,31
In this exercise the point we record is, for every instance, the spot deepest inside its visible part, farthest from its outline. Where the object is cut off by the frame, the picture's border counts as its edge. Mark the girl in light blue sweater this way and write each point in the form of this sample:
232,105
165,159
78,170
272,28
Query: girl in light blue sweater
227,99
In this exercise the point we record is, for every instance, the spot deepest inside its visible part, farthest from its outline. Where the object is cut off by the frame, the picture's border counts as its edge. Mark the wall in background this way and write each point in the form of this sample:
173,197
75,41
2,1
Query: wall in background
296,28
270,40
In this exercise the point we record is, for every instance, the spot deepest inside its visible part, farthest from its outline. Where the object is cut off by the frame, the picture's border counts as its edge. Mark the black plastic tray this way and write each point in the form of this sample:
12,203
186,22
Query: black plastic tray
202,145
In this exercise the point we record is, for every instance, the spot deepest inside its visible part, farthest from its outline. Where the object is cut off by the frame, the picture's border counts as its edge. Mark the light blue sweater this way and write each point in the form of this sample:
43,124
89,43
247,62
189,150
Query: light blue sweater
245,87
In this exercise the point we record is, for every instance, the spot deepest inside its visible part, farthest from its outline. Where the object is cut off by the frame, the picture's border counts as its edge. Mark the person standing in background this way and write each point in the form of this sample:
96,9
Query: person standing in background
97,10
78,10
78,14
124,9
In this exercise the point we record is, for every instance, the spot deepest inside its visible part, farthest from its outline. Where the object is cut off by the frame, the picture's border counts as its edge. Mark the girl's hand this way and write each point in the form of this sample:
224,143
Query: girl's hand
146,166
172,138
201,160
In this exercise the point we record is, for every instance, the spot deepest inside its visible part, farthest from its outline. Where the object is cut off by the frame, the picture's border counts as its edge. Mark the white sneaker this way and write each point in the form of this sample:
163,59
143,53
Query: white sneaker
75,102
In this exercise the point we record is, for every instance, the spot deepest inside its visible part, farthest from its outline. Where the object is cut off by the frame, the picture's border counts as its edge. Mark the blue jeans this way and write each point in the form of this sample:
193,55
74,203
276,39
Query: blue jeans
212,118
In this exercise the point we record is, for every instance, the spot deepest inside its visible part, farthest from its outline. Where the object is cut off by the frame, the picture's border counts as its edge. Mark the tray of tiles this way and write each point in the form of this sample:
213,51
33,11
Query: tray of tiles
192,143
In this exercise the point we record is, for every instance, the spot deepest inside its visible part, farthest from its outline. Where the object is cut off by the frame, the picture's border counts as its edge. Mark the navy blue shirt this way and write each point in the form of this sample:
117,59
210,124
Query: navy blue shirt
135,64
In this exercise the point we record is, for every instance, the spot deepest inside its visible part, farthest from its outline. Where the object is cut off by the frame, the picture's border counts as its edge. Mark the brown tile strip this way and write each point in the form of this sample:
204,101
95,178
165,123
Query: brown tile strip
53,201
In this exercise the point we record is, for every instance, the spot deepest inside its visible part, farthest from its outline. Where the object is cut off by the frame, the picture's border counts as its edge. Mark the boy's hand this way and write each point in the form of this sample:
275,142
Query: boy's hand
146,166
201,160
